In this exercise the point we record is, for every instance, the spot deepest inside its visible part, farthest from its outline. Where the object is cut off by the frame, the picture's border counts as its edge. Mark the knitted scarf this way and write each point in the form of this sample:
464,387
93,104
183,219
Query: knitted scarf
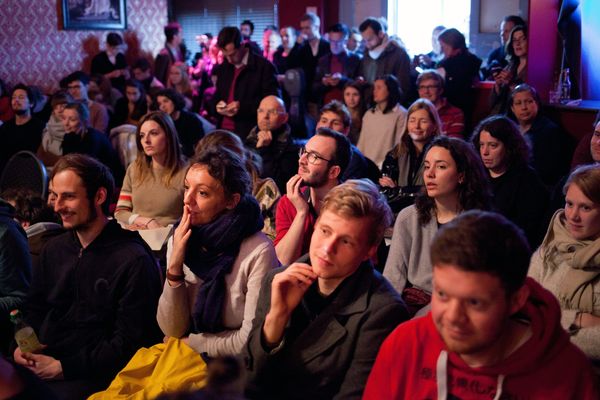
583,258
210,254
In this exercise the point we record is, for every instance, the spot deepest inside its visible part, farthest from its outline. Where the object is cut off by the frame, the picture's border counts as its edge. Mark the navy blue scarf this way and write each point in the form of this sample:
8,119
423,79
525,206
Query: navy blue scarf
210,253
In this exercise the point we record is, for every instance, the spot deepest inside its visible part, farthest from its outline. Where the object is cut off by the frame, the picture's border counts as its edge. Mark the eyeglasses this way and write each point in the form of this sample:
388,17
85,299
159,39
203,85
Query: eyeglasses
272,112
428,87
73,87
311,156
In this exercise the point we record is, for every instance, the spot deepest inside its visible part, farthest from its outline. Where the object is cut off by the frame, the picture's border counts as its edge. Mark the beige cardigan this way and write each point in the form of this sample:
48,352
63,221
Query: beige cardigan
256,258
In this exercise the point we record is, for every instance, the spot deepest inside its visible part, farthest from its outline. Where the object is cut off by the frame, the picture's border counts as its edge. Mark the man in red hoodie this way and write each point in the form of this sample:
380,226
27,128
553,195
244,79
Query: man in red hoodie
492,333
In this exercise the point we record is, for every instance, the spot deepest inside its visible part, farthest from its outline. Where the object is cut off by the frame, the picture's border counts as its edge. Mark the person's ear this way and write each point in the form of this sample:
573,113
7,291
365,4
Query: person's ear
285,118
233,201
334,172
101,196
519,298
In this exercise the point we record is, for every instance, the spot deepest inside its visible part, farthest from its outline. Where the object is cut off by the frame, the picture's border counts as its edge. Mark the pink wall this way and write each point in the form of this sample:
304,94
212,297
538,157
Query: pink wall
34,51
543,60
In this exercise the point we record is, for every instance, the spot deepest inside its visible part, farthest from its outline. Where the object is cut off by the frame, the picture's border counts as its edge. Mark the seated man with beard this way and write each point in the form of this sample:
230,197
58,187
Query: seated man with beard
322,162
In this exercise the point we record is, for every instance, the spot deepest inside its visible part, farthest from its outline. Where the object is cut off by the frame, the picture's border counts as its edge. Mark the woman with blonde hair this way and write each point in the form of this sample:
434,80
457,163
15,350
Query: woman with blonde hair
152,190
568,261
179,79
403,166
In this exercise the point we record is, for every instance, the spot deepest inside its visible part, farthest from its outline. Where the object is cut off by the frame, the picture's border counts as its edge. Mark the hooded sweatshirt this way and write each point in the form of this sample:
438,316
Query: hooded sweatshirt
414,363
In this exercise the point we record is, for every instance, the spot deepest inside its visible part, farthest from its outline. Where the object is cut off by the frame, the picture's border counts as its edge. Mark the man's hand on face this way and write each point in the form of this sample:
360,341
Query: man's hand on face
294,195
264,139
287,290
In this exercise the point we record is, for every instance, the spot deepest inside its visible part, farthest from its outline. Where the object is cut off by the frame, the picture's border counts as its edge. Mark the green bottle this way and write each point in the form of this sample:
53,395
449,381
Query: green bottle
24,334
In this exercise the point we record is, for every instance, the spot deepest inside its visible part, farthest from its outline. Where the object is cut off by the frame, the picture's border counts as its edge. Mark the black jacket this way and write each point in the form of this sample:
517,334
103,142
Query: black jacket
255,82
96,306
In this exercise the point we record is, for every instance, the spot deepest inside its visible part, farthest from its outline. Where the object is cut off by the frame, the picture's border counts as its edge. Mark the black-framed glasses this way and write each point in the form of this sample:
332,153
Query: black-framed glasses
311,156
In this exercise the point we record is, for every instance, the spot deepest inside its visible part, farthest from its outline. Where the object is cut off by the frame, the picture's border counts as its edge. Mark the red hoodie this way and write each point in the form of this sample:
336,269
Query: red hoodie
413,363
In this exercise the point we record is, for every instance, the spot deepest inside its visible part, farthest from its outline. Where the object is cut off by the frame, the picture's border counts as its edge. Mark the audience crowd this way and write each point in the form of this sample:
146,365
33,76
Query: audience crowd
313,216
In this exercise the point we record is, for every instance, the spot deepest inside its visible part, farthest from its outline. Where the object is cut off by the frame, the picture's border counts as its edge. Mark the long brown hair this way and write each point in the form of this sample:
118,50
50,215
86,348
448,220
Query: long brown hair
174,160
419,104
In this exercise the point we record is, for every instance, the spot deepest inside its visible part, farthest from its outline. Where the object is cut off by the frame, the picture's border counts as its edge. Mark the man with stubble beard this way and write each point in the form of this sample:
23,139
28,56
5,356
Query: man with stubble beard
322,162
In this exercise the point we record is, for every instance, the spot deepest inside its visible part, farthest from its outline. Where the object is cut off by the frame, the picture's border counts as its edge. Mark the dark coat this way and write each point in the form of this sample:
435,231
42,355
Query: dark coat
280,158
350,62
96,306
101,65
334,354
254,83
308,62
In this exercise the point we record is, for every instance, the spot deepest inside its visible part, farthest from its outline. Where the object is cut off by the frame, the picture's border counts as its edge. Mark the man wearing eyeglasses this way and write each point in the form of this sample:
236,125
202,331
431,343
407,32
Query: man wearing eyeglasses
430,84
272,140
23,131
322,162
335,69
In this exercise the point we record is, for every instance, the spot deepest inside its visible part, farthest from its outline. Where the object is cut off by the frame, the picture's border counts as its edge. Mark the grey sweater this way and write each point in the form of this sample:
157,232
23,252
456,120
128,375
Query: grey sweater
409,258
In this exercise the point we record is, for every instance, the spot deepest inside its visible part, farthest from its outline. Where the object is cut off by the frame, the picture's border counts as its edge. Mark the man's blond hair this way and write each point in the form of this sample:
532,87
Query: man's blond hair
359,198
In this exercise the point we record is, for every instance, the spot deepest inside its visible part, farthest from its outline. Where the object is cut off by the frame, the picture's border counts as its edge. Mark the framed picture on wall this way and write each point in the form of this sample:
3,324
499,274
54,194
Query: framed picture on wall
94,14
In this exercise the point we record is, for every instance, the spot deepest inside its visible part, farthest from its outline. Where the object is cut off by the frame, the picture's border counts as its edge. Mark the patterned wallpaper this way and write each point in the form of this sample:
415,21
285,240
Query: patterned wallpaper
33,49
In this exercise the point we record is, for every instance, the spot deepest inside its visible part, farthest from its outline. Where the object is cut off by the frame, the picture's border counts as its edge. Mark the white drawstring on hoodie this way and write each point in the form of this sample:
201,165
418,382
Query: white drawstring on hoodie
441,375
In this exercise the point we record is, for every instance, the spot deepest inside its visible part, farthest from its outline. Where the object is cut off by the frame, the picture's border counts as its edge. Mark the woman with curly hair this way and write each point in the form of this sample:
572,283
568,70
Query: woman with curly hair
455,181
519,194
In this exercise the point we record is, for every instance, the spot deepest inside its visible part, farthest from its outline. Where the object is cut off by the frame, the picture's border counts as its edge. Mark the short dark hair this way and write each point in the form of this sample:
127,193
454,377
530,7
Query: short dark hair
114,39
373,23
77,76
523,87
343,151
92,173
515,19
61,97
172,29
229,34
506,131
173,95
29,206
337,107
226,167
481,241
250,24
339,28
395,93
141,63
27,89
475,191
454,38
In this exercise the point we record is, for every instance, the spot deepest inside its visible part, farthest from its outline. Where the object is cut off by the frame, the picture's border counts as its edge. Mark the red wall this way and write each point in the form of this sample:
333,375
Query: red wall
542,58
33,50
290,11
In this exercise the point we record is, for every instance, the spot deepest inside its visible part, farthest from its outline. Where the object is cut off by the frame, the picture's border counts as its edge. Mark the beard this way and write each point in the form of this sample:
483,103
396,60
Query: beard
21,112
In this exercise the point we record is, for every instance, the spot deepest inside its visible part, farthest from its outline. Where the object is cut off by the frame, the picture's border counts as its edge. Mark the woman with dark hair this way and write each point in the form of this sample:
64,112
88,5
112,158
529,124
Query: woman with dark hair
515,72
217,258
383,124
551,148
519,194
403,166
152,190
354,99
460,69
81,138
568,261
131,108
455,181
188,125
265,191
